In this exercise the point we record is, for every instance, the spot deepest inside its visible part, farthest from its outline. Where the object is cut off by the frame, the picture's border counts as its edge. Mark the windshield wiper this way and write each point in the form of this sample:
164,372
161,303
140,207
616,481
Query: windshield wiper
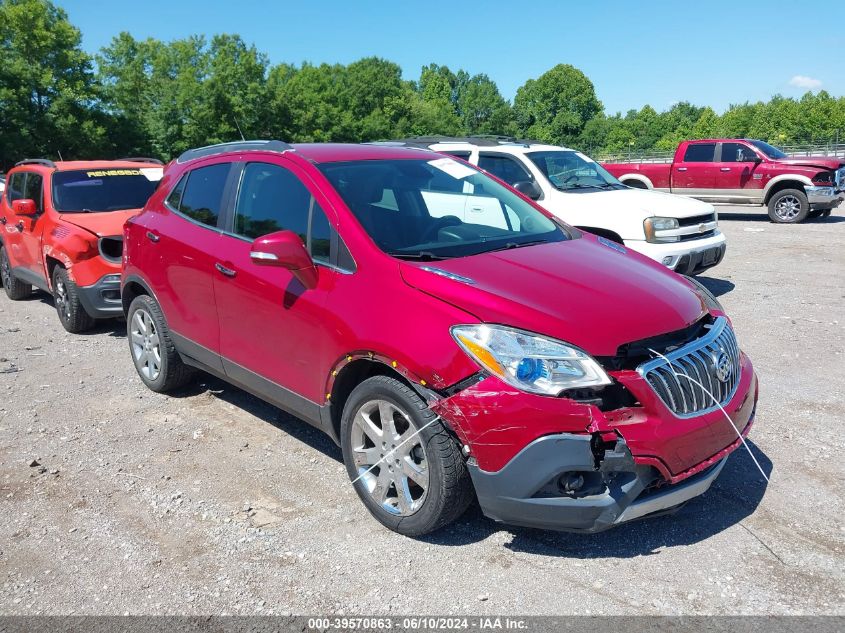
423,256
511,245
578,185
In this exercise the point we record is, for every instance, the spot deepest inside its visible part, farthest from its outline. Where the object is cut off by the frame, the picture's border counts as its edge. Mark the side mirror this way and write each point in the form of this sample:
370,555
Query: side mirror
285,249
528,188
24,206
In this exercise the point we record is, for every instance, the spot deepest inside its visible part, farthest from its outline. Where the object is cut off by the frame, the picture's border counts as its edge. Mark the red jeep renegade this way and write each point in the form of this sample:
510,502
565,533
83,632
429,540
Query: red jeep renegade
61,230
566,382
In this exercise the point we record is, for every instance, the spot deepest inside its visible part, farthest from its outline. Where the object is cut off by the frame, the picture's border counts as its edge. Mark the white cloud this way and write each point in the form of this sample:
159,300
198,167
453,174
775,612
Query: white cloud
802,81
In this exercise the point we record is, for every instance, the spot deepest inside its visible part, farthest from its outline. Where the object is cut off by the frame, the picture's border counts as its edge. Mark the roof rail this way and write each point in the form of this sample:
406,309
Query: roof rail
482,140
37,161
235,146
141,159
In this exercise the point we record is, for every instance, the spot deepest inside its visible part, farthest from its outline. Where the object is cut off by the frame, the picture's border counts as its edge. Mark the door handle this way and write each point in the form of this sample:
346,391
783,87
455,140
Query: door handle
152,236
226,271
725,169
682,168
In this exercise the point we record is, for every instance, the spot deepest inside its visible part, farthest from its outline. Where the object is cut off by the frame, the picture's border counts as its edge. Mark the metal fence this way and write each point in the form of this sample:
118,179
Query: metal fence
662,156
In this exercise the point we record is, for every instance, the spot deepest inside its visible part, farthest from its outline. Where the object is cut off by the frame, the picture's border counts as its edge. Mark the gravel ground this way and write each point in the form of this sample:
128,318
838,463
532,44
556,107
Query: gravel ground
117,500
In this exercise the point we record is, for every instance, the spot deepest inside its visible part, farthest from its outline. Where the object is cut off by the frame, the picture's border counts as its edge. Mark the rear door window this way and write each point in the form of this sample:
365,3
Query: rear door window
202,198
700,153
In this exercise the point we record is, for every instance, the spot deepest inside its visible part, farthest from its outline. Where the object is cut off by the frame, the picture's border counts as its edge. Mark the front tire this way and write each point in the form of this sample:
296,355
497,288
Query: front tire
72,315
155,357
403,462
15,288
789,206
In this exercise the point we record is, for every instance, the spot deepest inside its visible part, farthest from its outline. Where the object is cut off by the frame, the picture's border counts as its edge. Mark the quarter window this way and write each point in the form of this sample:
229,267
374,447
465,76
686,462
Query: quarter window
700,153
504,168
202,198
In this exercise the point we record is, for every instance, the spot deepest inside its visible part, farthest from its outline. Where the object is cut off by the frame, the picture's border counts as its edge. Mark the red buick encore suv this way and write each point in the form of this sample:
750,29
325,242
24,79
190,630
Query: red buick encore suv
455,339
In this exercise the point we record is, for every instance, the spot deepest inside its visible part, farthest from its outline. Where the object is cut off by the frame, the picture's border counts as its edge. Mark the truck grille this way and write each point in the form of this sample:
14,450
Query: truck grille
712,362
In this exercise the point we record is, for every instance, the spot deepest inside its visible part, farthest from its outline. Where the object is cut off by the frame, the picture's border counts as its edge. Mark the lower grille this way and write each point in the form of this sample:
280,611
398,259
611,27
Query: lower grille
712,362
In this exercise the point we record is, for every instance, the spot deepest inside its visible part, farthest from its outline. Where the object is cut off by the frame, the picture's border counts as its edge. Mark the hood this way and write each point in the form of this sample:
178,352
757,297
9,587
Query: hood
101,224
631,200
579,291
822,162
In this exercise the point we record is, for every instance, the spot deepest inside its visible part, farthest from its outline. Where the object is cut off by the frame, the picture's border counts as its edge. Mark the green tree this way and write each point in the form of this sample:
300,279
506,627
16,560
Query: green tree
556,106
47,88
480,107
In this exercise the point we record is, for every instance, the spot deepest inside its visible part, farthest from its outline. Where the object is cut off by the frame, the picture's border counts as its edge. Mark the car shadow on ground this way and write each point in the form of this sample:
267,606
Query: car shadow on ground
293,426
763,217
733,497
111,327
718,287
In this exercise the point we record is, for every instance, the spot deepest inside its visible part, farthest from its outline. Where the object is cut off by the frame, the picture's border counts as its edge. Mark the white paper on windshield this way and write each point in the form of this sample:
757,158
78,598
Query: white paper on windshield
452,167
584,157
153,174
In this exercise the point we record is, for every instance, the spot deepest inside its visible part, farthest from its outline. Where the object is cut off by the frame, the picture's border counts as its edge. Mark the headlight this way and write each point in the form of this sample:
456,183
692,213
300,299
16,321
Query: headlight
652,226
528,361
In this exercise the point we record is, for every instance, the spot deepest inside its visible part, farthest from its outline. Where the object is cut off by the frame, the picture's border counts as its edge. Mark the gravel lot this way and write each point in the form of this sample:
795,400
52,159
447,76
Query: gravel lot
214,502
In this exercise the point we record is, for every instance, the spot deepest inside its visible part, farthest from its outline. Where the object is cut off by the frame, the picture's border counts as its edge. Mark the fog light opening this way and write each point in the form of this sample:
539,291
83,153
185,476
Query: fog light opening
667,261
571,482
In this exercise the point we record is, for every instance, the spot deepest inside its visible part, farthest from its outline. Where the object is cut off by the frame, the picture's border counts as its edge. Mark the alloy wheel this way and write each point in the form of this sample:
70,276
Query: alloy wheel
788,208
146,347
390,457
62,303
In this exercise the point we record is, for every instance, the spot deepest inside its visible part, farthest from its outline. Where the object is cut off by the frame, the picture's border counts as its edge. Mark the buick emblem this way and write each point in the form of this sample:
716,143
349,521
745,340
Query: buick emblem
723,367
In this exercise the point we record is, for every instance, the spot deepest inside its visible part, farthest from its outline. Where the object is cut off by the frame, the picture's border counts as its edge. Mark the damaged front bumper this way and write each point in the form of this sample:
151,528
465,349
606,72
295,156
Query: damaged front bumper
531,490
561,464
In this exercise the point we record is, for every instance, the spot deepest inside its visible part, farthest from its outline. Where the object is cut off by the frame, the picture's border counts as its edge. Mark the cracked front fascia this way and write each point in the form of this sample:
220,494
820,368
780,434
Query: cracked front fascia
496,420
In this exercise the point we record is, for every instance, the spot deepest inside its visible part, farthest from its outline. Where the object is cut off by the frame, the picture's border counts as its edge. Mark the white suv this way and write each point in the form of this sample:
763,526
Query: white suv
679,232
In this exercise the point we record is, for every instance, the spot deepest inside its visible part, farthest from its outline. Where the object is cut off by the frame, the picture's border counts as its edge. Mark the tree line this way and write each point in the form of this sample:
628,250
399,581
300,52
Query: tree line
153,98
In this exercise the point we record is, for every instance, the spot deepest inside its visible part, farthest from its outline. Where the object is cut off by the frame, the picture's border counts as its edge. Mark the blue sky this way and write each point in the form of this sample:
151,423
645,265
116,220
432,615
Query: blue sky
709,52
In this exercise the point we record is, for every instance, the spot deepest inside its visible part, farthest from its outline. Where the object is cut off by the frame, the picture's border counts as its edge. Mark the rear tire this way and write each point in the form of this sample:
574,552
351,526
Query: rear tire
72,315
155,357
406,466
15,288
789,206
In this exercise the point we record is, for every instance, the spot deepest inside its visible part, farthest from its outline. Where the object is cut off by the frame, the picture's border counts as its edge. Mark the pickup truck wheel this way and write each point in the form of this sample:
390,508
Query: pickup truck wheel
15,288
153,352
405,466
789,206
72,315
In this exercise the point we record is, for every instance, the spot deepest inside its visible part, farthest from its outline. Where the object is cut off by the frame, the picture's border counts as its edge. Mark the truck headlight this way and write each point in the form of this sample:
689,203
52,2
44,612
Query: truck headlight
530,362
654,225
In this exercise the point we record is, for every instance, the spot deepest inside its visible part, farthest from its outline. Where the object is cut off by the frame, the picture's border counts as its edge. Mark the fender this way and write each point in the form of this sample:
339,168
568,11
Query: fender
804,180
638,177
419,385
135,278
66,247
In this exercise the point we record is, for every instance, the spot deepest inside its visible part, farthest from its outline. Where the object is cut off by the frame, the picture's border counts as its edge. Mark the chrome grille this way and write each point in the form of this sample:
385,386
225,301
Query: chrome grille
712,362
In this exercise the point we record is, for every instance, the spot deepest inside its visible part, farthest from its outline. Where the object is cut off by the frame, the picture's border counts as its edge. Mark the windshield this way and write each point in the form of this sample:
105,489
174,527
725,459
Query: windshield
94,191
573,170
768,150
437,209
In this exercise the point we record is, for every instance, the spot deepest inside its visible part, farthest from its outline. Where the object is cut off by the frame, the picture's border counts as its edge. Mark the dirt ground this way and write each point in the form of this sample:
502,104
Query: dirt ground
213,502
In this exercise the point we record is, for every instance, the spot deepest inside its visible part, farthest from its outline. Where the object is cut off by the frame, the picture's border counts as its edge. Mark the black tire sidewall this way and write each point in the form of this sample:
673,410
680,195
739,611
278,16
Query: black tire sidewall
802,214
79,320
390,389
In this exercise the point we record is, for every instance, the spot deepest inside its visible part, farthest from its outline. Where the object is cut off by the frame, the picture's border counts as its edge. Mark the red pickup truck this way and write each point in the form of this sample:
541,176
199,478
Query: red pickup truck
743,171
